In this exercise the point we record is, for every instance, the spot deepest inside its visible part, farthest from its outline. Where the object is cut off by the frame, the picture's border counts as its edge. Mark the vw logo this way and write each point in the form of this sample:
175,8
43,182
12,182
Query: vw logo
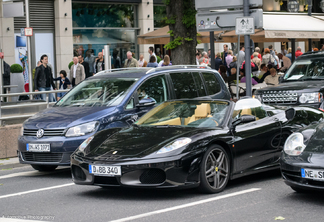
40,133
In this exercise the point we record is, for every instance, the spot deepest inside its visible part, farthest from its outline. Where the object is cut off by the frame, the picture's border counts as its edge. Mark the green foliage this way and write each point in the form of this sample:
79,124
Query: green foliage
70,64
158,59
166,2
16,68
199,41
171,32
189,15
170,21
188,39
173,44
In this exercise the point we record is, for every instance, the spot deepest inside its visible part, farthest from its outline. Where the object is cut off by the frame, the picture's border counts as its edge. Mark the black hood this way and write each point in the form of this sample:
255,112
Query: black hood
139,141
307,86
316,140
62,117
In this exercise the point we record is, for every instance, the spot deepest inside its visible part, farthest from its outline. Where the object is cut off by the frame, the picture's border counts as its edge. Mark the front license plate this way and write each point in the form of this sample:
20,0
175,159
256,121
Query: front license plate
105,170
312,174
38,147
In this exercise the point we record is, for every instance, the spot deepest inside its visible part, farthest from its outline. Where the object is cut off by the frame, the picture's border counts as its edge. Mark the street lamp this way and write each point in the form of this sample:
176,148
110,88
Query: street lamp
322,5
293,6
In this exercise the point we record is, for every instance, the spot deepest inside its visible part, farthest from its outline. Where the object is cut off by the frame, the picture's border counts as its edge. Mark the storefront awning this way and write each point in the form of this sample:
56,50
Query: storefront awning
276,27
297,26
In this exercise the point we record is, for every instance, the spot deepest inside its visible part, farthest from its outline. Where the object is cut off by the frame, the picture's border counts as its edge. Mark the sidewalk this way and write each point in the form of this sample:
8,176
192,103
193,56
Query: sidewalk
10,163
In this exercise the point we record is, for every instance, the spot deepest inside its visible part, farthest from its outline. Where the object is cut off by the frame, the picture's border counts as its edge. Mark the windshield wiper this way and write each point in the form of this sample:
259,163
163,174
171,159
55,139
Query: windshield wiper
167,126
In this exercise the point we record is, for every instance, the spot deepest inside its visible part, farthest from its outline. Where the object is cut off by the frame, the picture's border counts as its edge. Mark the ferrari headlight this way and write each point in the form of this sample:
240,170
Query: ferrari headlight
176,144
294,145
82,129
85,144
310,98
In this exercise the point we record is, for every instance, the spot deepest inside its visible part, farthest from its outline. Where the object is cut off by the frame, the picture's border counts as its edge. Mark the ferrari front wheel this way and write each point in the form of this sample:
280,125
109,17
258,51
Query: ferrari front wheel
214,170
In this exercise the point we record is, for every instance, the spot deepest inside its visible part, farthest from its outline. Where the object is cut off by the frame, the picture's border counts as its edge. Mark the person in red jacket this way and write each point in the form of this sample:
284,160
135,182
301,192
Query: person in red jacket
257,49
298,52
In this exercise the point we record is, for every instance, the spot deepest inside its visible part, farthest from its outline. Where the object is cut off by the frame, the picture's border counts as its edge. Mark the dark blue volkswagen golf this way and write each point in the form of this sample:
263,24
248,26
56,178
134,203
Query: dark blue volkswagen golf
107,100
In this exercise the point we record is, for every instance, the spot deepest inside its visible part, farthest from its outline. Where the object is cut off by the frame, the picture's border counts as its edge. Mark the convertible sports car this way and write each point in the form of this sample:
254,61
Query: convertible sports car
190,143
302,162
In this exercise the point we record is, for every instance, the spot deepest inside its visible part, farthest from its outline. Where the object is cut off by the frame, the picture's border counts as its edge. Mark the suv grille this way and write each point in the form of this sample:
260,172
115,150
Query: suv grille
47,132
279,97
42,157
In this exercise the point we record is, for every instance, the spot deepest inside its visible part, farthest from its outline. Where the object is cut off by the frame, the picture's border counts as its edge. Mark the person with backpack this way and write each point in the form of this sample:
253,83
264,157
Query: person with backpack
267,58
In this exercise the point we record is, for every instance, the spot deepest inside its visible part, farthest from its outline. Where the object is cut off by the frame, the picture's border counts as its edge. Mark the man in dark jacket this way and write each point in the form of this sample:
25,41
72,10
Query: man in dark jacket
100,63
44,78
85,66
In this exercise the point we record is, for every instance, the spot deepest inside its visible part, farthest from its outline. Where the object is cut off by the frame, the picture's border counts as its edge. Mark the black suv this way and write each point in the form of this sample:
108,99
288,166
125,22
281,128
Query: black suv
109,100
303,84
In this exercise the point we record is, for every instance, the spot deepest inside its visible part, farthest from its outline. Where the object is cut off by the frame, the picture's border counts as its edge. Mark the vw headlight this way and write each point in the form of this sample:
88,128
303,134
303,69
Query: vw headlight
294,145
82,129
310,98
21,131
178,143
85,143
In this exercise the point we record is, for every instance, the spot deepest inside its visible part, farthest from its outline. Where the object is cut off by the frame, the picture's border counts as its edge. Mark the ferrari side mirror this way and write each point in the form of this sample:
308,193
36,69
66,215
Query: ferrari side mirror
242,119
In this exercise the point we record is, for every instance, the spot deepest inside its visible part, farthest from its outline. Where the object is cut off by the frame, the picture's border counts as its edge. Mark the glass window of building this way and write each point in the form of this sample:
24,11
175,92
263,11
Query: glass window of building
98,24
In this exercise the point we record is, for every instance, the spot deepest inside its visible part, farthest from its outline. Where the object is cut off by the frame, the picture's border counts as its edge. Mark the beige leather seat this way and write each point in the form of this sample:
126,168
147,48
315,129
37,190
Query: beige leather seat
201,112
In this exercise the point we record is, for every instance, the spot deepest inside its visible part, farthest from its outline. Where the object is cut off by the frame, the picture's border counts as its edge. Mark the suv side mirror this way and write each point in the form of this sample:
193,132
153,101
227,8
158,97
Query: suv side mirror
243,119
145,102
290,113
281,78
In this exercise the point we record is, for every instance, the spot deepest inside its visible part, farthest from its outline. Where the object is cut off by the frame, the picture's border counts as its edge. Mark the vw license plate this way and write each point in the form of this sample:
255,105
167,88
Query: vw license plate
105,170
38,147
312,174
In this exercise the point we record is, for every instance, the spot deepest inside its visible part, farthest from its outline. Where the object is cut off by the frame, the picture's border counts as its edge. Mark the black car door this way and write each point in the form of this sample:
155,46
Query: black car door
253,142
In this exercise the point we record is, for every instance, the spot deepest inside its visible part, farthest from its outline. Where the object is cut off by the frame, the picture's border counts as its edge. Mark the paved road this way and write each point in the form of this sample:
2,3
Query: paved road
28,194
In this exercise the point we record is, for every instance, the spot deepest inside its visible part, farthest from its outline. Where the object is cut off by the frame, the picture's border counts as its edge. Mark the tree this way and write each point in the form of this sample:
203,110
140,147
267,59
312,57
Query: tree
183,32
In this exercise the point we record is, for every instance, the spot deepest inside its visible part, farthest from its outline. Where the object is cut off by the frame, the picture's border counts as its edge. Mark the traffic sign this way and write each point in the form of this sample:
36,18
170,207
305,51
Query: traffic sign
244,26
224,4
225,20
28,31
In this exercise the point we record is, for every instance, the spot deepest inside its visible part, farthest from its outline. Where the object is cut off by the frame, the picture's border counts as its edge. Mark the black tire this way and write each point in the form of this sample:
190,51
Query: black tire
214,170
44,167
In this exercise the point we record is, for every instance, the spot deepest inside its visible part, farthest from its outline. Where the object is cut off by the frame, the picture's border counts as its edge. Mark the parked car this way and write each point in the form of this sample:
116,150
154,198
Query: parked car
302,164
189,143
301,85
108,100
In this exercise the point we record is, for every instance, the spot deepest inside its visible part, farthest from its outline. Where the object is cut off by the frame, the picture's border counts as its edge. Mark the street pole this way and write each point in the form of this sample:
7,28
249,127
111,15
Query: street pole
30,74
246,11
1,77
238,67
310,46
107,58
212,49
293,49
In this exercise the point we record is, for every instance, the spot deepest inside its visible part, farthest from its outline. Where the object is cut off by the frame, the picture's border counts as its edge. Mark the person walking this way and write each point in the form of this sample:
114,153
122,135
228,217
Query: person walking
218,61
229,59
99,63
224,54
151,52
256,60
267,58
90,59
85,66
241,56
77,72
130,61
64,83
44,78
198,56
288,55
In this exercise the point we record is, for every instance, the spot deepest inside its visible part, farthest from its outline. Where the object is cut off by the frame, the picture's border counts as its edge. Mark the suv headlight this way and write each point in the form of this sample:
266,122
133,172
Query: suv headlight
176,144
82,129
294,145
310,98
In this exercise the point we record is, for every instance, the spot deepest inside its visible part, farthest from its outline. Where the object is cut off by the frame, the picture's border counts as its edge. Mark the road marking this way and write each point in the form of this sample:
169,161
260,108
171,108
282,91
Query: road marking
30,173
186,205
37,190
18,220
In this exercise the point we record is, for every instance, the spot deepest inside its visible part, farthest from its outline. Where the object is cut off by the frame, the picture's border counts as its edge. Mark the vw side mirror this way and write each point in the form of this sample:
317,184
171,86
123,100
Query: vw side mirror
145,102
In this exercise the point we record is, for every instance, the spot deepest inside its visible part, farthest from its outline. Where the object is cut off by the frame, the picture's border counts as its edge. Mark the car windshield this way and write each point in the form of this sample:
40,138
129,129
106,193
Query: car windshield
306,70
203,114
98,92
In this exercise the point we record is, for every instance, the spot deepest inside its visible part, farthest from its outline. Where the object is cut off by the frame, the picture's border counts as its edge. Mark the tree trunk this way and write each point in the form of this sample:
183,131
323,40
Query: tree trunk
181,13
